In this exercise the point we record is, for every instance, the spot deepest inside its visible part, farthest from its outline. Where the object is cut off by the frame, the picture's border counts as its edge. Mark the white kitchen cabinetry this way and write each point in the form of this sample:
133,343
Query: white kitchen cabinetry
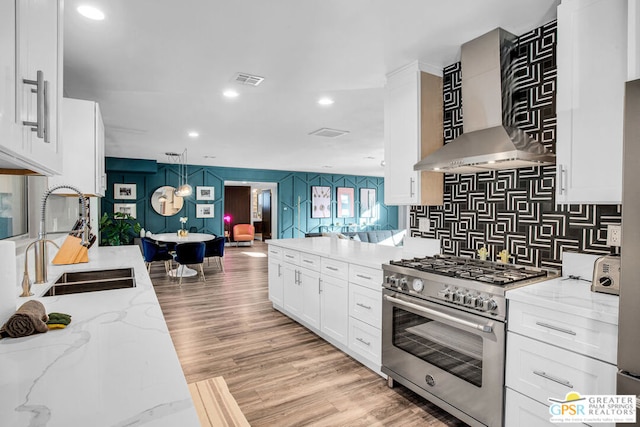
338,300
551,353
334,301
592,70
412,129
276,276
83,138
31,85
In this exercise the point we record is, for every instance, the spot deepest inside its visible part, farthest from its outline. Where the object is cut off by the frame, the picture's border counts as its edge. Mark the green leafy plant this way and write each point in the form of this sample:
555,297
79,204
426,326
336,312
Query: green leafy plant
118,229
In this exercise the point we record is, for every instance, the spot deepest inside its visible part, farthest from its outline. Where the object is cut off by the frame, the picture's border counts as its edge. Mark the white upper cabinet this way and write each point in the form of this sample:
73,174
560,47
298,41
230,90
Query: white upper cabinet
412,129
592,69
31,85
83,139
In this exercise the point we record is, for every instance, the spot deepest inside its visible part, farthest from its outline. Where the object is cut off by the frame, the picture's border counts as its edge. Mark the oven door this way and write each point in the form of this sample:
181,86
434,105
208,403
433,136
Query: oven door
453,355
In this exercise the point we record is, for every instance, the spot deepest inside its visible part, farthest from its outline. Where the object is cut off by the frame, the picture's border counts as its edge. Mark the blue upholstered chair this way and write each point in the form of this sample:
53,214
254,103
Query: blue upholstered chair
153,252
215,248
189,253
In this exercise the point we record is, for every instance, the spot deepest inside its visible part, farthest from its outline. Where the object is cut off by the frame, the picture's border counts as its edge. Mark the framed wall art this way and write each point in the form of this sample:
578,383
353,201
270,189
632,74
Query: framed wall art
320,202
125,208
204,211
124,191
345,196
205,193
367,202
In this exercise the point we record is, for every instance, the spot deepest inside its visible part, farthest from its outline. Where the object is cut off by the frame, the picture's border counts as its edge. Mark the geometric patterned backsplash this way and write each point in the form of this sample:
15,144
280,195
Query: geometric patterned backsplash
515,209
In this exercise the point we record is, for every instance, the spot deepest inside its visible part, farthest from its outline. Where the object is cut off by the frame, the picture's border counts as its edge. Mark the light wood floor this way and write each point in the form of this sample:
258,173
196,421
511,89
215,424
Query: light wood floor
280,373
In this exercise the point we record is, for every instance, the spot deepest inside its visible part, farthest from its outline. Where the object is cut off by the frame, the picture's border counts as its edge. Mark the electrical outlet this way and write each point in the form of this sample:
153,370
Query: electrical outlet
423,225
614,235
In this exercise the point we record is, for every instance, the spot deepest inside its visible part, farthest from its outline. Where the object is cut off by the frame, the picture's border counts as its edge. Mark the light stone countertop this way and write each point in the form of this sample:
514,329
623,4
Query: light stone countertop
114,365
569,296
360,253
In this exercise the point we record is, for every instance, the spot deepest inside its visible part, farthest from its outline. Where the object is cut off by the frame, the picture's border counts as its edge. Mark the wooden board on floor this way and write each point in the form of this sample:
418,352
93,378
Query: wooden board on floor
215,405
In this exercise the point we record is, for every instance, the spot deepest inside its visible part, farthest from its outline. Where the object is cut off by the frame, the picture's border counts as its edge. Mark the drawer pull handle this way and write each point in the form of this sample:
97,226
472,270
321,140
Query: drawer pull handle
556,328
368,307
554,379
367,343
290,256
307,261
331,268
363,277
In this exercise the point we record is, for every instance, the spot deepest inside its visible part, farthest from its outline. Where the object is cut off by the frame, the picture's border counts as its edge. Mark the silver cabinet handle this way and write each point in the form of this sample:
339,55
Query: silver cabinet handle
363,277
411,192
290,256
436,314
368,307
279,270
556,328
561,177
39,126
367,343
328,267
319,286
554,379
308,261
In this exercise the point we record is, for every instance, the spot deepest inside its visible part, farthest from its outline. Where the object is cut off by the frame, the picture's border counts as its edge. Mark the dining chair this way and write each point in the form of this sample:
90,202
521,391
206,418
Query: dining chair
189,253
153,252
215,248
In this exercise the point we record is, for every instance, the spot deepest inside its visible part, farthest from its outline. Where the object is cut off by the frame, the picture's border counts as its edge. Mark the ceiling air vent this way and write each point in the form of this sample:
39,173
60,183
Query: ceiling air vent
329,133
248,79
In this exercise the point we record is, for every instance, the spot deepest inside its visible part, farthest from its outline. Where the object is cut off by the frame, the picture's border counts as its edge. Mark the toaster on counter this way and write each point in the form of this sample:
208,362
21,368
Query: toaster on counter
606,275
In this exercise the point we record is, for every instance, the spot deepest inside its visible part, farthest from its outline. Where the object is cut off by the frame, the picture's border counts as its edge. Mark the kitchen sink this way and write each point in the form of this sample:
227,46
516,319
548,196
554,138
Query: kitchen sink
91,281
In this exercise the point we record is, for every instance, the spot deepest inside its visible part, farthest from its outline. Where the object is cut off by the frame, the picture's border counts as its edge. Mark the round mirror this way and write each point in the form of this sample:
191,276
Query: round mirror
165,202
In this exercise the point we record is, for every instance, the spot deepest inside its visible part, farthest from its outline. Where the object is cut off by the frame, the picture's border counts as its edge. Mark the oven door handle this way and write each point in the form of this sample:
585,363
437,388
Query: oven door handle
437,314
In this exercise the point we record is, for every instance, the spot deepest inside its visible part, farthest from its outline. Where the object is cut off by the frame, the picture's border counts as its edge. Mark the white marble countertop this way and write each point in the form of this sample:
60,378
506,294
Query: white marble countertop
569,296
114,365
361,253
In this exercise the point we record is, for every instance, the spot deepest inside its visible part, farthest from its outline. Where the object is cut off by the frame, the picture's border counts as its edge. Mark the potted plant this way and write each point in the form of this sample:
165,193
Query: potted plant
118,229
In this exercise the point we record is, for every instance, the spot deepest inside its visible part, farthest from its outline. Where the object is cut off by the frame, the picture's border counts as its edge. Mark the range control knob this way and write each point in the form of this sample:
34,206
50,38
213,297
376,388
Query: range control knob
418,285
489,305
479,302
605,281
392,280
457,297
468,300
446,294
403,284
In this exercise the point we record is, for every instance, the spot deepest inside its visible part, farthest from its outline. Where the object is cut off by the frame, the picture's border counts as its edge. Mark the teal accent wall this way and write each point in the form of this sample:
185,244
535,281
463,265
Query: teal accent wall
293,198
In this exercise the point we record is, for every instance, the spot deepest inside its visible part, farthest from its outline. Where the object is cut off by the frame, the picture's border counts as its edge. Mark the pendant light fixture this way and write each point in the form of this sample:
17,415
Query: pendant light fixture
184,189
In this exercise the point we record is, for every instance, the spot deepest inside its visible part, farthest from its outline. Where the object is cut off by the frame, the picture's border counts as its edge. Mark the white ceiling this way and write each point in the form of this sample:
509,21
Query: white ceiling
158,69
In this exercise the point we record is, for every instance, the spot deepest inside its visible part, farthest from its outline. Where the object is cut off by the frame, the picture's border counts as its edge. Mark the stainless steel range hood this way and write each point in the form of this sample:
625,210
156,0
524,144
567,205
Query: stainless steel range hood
489,141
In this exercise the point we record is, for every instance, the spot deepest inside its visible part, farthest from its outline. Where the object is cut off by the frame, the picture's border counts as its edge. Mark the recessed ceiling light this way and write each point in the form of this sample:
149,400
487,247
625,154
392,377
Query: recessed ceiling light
382,163
230,93
194,134
209,157
325,101
370,158
327,167
90,12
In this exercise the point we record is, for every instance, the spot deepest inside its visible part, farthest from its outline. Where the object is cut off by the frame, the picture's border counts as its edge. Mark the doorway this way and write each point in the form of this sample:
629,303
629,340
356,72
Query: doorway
253,203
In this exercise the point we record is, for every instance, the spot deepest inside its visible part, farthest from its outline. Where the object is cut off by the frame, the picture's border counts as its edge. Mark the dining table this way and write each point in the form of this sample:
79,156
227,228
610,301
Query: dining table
182,270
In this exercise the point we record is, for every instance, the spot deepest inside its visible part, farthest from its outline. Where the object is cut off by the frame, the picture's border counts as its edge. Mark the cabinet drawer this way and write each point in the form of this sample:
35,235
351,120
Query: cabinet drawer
274,252
365,304
580,334
365,276
365,340
335,268
541,371
310,261
291,256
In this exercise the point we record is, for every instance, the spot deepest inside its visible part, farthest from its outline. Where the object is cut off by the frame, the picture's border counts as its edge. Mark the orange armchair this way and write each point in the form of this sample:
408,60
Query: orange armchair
243,233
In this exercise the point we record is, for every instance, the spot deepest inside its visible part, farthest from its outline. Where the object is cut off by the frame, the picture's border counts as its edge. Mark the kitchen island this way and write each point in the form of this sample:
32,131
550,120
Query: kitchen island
114,365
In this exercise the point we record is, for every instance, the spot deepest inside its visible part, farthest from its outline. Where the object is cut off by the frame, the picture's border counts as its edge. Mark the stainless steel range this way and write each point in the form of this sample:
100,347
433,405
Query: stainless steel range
443,330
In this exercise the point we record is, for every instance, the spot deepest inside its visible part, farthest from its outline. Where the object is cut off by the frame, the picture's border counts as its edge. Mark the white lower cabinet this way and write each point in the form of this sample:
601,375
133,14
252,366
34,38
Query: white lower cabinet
551,353
340,301
334,303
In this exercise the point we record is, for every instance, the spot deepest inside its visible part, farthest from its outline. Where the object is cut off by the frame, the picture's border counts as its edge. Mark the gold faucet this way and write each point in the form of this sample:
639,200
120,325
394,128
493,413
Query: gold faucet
40,248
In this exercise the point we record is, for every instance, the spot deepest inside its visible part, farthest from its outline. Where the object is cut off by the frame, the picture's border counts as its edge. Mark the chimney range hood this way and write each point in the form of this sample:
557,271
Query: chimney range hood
489,141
